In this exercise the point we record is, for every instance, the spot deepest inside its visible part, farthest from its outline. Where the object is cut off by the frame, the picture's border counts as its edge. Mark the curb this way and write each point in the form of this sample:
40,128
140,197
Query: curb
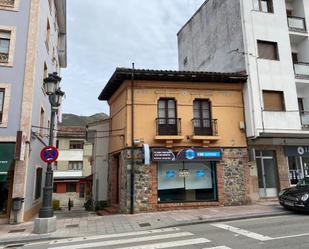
232,218
30,239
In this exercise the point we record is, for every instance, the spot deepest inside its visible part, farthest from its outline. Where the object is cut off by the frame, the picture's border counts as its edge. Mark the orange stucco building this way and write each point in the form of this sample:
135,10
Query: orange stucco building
193,125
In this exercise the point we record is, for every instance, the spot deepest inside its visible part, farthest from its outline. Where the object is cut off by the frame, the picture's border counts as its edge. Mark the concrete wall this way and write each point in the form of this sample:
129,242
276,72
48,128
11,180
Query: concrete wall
220,27
212,39
49,56
100,160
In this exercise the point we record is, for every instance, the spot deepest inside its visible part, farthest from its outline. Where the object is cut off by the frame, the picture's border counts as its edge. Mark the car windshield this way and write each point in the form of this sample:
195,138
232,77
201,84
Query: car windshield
303,182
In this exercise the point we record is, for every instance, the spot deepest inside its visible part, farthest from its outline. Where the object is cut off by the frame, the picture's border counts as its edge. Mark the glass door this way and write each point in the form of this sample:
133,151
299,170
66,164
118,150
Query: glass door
267,173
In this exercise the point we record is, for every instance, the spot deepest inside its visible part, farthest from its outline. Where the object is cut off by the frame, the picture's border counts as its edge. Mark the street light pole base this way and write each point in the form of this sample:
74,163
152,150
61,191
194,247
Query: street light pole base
45,225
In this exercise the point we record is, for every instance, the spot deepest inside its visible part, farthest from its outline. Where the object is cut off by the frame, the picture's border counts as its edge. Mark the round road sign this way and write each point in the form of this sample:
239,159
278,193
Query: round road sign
49,154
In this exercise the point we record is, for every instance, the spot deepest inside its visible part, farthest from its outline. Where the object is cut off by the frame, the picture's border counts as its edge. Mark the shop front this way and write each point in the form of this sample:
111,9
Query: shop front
298,159
6,176
188,175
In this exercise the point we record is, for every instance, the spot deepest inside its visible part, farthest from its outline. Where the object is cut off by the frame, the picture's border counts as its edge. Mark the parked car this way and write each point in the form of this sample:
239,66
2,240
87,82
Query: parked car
296,198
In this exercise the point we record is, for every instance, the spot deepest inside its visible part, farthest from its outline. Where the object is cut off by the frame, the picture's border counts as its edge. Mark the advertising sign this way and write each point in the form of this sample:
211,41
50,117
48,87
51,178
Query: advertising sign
200,154
296,151
162,155
196,154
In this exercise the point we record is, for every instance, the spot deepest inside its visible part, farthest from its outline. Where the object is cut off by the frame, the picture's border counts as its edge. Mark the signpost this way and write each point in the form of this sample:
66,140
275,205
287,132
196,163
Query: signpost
49,154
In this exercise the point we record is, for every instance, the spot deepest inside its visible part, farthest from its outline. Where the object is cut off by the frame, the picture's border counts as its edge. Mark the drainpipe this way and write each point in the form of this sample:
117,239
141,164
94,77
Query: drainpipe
132,143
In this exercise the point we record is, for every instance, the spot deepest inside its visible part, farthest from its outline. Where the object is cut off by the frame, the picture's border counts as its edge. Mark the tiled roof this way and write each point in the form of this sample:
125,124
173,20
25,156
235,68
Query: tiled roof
122,74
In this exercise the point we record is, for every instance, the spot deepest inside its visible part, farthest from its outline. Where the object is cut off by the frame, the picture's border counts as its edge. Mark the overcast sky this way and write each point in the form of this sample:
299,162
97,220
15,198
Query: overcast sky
106,34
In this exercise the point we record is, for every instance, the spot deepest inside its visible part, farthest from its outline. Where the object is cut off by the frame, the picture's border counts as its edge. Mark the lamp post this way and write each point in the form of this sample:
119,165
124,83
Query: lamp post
52,89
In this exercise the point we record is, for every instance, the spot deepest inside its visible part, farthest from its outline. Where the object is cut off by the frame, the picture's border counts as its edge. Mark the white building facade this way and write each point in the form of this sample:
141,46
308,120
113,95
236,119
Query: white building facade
268,40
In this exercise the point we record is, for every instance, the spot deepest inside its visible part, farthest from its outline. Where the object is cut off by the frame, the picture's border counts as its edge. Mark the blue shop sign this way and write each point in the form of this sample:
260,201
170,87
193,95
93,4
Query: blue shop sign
189,154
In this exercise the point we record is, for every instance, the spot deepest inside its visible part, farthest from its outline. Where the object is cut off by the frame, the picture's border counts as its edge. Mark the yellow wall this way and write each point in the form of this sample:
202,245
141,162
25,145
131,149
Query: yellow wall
226,102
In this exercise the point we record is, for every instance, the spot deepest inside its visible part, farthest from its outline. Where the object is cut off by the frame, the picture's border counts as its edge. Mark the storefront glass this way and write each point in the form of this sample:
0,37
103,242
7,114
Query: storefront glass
298,168
6,161
187,181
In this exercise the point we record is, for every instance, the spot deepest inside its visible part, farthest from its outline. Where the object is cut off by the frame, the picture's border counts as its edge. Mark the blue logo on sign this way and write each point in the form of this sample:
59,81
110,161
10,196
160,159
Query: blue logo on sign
200,173
209,154
190,154
170,173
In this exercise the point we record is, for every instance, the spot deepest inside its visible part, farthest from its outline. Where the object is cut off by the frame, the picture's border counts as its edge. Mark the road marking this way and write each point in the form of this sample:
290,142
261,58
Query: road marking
218,247
106,236
290,236
170,244
242,232
124,241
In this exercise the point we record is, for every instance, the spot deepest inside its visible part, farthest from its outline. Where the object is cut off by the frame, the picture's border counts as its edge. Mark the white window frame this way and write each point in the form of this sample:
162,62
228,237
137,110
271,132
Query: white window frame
12,30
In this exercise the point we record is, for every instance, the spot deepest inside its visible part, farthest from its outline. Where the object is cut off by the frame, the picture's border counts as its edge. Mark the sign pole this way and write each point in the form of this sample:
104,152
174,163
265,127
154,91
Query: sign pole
46,210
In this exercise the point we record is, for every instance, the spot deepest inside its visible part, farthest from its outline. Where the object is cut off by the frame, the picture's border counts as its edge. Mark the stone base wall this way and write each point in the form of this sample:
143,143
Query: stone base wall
235,177
232,183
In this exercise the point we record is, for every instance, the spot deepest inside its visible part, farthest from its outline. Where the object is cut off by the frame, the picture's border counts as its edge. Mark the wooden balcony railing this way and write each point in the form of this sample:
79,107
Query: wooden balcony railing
205,127
7,3
168,126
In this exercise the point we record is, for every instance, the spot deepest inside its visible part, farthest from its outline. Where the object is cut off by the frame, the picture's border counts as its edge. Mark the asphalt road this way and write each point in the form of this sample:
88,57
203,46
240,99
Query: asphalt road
288,231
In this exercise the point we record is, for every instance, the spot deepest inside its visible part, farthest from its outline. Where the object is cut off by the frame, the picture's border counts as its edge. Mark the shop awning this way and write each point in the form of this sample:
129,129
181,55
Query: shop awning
7,151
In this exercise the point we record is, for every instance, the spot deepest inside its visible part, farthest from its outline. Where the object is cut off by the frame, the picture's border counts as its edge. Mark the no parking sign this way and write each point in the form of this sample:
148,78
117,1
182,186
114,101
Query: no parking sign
49,154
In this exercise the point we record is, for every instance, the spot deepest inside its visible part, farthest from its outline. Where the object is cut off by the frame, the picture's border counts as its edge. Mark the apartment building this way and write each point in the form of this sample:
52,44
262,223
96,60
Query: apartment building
267,39
32,44
182,145
73,166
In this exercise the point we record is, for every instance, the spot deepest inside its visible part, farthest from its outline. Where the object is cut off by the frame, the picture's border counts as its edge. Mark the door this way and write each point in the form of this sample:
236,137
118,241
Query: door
167,117
202,117
267,173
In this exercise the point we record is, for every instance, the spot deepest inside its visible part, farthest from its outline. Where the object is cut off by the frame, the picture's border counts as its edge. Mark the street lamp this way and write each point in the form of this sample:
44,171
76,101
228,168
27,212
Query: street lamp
52,89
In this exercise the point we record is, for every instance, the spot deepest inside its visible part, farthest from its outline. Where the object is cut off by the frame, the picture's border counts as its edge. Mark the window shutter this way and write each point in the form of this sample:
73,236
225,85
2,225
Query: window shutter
273,101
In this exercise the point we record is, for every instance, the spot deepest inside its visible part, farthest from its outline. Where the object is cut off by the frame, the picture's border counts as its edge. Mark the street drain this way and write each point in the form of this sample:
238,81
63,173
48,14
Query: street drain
17,231
71,226
144,225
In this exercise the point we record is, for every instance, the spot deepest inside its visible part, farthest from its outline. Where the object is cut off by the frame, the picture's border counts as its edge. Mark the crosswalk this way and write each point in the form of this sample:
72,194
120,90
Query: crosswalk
150,239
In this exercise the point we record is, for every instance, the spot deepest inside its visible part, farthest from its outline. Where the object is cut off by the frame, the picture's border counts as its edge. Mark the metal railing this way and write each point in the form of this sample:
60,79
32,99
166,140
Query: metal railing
4,57
296,23
301,70
304,116
168,126
205,127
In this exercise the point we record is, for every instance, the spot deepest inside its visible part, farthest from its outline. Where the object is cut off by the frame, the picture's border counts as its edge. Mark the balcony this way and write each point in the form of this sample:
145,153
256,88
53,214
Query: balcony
205,129
4,57
304,116
7,3
168,129
297,24
301,70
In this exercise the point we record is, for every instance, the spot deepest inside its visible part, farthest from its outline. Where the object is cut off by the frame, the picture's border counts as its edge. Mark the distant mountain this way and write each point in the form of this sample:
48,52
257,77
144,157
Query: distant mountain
69,119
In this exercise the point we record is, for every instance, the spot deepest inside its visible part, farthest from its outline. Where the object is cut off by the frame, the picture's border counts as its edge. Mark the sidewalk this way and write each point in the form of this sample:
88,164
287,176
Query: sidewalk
79,223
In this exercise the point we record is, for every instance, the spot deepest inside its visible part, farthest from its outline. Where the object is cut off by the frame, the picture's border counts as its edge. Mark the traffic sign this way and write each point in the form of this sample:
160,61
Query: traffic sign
49,154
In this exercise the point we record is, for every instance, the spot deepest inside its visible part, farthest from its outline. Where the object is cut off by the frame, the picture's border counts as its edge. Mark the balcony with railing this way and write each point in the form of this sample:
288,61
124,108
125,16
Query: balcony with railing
7,3
4,57
168,129
297,24
205,129
301,70
304,116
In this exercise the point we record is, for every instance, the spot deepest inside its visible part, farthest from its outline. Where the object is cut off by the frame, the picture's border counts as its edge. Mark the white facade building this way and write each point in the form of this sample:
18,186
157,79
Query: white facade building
268,40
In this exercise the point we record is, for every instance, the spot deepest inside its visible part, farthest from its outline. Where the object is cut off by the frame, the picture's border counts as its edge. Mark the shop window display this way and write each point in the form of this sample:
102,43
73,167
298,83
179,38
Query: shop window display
187,181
